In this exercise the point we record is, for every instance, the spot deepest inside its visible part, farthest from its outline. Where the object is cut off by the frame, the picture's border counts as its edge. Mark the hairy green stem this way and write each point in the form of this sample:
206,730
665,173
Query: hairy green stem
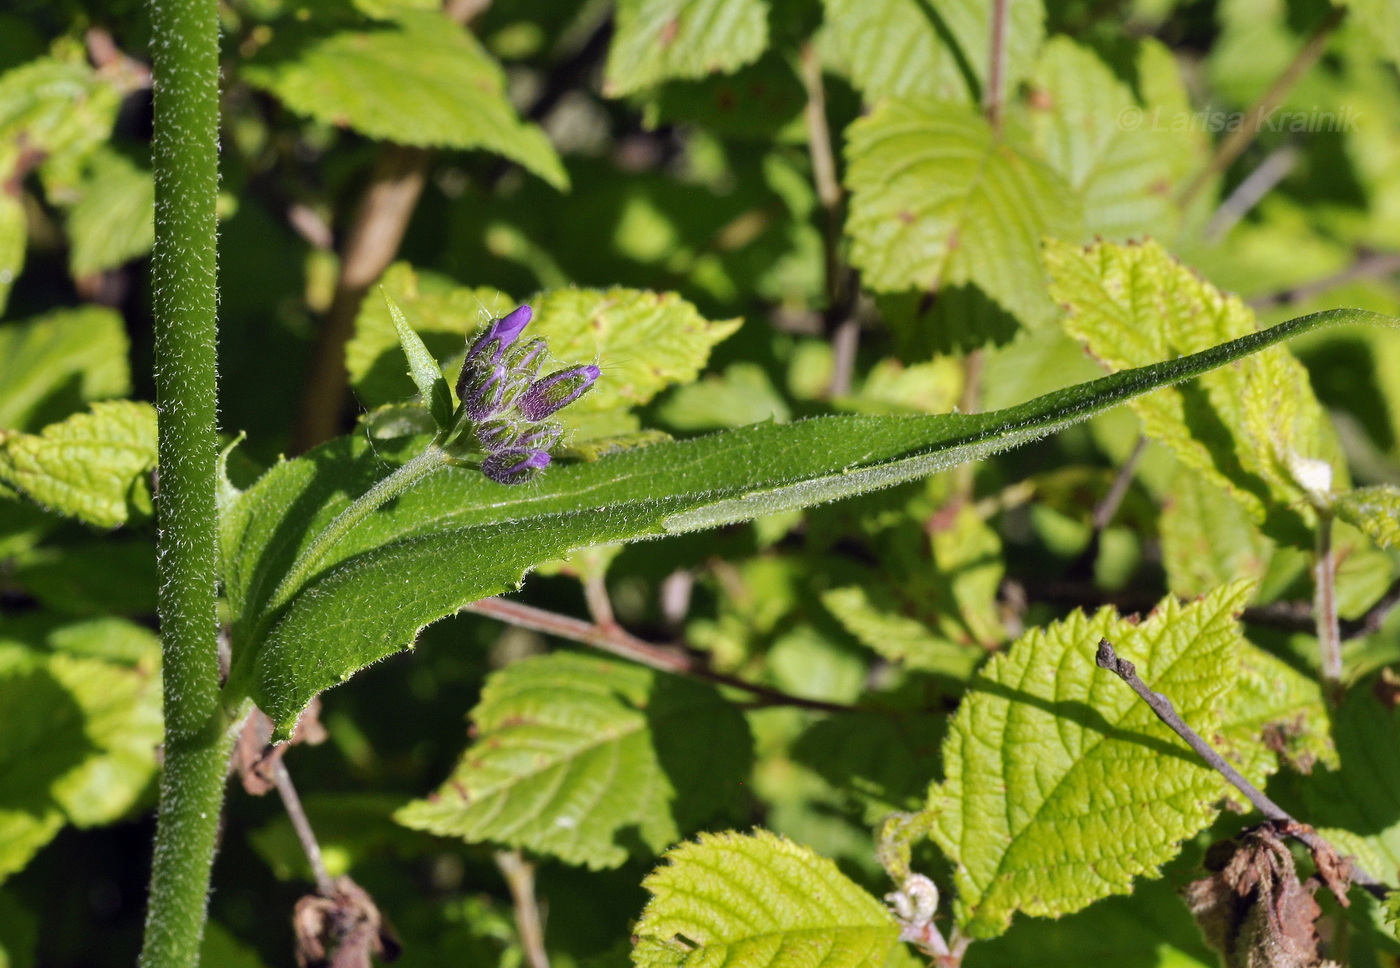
362,507
185,69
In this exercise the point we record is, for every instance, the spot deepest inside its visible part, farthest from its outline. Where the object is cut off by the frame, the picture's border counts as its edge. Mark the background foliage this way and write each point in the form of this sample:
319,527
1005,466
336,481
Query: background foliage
747,212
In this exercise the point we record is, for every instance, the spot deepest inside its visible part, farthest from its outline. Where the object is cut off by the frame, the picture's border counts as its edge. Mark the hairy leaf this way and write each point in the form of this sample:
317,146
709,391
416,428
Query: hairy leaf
658,40
93,466
456,537
939,203
1375,510
910,48
575,754
757,901
1246,427
420,80
425,371
51,365
1062,786
114,221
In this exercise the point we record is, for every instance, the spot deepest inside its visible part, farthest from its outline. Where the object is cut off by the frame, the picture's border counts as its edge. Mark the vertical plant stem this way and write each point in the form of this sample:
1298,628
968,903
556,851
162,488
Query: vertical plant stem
291,802
996,67
1329,635
520,878
185,63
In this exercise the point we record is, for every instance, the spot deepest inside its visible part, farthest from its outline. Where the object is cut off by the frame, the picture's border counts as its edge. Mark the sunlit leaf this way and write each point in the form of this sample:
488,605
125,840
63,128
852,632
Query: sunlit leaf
1375,510
657,40
50,366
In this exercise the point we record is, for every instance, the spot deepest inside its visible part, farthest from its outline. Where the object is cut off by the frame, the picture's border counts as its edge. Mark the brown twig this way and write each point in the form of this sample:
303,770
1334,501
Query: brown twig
1329,635
1370,265
1107,658
996,68
325,885
520,878
595,596
1238,139
619,642
1249,192
1107,509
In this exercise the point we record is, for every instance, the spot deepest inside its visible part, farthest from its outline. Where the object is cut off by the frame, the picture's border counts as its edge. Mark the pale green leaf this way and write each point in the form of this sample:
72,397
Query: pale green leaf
1375,510
939,204
420,80
1062,785
757,901
1379,21
1275,712
93,466
1207,538
425,371
14,231
741,395
61,109
456,537
574,755
114,222
1116,154
51,365
909,48
899,638
1244,427
658,40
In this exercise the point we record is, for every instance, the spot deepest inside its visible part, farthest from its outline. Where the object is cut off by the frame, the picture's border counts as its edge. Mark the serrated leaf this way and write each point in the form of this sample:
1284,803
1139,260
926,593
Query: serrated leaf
900,638
1062,785
114,221
424,370
1275,712
645,341
1123,163
1244,427
757,901
93,466
658,40
939,204
52,364
741,395
420,80
1207,538
574,755
908,48
1375,510
456,537
77,743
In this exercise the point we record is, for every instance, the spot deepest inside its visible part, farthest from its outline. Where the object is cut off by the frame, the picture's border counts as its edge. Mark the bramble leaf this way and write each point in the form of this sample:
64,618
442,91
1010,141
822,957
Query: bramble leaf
1062,785
573,754
114,221
93,466
757,901
660,40
907,48
1246,427
938,204
455,537
420,80
900,638
52,364
1375,510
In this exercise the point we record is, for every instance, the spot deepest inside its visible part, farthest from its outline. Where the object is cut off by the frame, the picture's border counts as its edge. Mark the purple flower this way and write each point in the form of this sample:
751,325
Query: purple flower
491,345
555,391
514,466
484,397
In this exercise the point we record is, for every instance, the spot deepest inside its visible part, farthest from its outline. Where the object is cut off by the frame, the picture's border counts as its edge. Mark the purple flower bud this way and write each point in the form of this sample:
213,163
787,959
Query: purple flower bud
556,391
526,358
486,396
498,433
514,466
491,345
540,437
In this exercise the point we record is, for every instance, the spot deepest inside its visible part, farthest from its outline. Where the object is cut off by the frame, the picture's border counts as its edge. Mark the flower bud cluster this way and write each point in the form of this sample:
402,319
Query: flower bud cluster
506,404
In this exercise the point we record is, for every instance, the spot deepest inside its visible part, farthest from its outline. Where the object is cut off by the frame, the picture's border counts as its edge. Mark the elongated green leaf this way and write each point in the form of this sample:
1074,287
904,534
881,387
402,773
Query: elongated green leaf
757,901
93,466
1062,786
907,48
572,752
657,40
938,203
456,537
1247,427
114,221
51,365
1375,510
421,80
1113,151
426,373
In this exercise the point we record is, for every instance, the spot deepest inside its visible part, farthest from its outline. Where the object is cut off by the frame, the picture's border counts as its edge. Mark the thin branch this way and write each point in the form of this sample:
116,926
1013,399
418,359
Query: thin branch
994,94
595,596
1329,636
287,790
1107,509
1249,192
1107,658
1371,265
1238,140
619,642
520,878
